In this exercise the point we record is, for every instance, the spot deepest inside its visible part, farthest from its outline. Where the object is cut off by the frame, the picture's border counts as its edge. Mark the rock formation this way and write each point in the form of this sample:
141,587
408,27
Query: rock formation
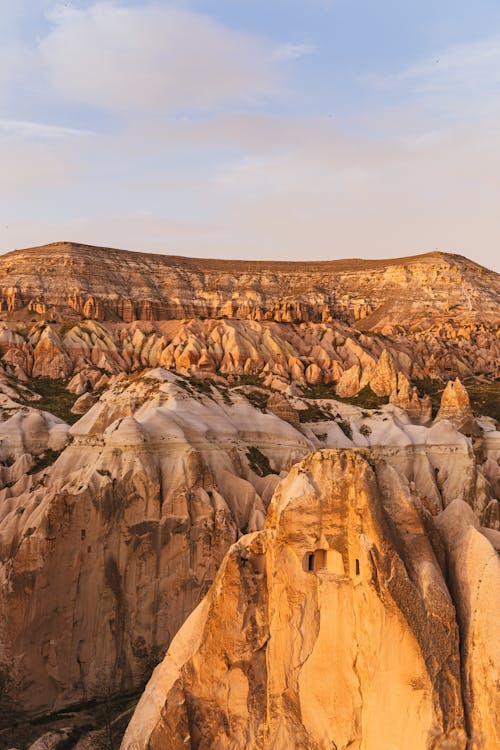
80,281
406,397
475,581
384,378
150,406
333,627
455,404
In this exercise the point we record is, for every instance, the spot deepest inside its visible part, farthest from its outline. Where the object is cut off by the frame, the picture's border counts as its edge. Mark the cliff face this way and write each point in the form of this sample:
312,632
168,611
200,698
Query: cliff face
111,531
333,627
68,307
105,284
134,453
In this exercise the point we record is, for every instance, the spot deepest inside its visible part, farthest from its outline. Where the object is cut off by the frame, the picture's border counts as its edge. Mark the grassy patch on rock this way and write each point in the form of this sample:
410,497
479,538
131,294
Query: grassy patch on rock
257,398
313,413
366,398
259,463
47,458
55,398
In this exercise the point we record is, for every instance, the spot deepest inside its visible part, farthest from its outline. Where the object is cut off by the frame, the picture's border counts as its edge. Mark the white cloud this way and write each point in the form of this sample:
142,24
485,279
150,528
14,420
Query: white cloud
291,51
152,57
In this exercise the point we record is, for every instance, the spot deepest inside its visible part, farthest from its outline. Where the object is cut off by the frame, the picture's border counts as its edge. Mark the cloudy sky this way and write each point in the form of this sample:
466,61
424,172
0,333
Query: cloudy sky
287,129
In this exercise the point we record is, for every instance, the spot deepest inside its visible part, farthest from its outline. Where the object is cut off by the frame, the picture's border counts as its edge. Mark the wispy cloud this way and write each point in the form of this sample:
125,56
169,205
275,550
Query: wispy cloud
291,51
39,130
151,57
459,82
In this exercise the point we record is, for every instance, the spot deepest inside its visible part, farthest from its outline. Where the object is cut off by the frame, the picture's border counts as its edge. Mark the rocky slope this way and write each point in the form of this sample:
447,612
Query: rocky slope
67,279
70,308
108,546
150,407
334,626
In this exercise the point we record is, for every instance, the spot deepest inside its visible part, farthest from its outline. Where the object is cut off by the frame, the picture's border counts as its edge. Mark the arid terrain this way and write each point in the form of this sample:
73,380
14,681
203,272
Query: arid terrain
248,504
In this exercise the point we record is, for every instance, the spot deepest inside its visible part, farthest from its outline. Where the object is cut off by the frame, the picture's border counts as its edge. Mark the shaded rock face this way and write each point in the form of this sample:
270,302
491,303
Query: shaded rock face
104,553
332,627
474,567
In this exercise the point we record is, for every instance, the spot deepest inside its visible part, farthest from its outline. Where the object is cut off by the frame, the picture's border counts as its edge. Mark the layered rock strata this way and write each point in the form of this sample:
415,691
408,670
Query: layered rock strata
108,284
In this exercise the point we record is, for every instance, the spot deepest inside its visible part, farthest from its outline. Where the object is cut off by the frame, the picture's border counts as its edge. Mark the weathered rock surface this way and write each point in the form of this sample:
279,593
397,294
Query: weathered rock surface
384,378
333,627
104,553
107,547
200,383
474,568
455,404
407,398
297,321
91,282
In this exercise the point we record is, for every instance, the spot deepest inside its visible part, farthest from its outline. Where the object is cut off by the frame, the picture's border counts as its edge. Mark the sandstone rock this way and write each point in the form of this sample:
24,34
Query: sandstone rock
474,568
455,404
313,374
384,378
112,532
419,291
53,740
50,360
102,561
348,384
280,406
406,397
83,404
293,644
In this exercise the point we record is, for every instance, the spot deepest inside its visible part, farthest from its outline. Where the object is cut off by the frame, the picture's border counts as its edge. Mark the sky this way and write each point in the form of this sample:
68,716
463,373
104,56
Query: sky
263,129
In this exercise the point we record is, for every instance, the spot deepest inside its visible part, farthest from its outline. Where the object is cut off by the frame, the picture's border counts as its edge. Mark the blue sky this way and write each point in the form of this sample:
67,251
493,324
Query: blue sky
240,128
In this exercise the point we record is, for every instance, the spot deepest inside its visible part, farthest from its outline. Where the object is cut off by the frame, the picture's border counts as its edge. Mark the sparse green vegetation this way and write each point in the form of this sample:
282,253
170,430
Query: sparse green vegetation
244,379
44,460
366,399
55,398
313,413
345,427
257,398
319,391
485,398
201,384
259,463
225,396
